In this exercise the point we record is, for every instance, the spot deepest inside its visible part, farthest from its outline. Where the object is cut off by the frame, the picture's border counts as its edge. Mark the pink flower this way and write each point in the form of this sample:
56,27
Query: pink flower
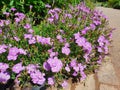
3,67
12,57
51,81
67,68
27,26
46,66
65,50
13,9
81,41
3,48
18,68
13,51
28,36
16,38
0,31
73,63
55,64
77,35
47,6
32,40
31,68
37,77
4,77
30,31
31,6
64,84
22,51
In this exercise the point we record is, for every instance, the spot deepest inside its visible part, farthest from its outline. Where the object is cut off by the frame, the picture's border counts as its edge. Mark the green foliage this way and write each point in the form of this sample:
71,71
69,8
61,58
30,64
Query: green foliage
39,10
114,3
67,35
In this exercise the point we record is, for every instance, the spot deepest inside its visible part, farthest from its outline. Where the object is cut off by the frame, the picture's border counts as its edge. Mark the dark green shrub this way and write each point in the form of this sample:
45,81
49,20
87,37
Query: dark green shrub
114,3
101,0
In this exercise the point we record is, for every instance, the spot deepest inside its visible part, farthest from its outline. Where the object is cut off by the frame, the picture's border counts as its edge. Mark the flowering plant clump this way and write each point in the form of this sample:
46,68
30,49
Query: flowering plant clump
67,44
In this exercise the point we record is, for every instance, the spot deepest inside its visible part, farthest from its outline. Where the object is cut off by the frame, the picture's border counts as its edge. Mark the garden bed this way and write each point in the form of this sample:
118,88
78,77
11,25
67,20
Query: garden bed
68,43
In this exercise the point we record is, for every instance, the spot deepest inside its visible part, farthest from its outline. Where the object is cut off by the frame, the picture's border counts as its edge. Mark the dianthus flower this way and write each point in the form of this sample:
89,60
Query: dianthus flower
51,81
64,84
37,77
2,48
31,68
4,77
54,64
3,67
18,68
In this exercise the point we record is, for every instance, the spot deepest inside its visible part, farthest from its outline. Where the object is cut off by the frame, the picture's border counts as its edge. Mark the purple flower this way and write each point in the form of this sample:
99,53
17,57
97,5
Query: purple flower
100,49
99,60
6,13
53,54
97,22
67,68
17,20
55,64
16,38
31,68
4,77
92,26
46,66
13,51
7,22
67,45
37,77
43,40
22,51
27,26
50,20
64,84
0,31
28,36
75,74
68,15
2,48
3,67
81,41
77,35
18,68
87,46
83,76
59,37
12,57
1,23
21,16
76,68
13,9
84,31
31,6
65,50
106,49
47,6
32,40
73,63
86,56
101,40
30,31
51,81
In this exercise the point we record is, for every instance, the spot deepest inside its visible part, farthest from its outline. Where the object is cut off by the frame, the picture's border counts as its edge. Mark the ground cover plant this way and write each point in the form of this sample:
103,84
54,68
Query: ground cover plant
38,6
67,44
